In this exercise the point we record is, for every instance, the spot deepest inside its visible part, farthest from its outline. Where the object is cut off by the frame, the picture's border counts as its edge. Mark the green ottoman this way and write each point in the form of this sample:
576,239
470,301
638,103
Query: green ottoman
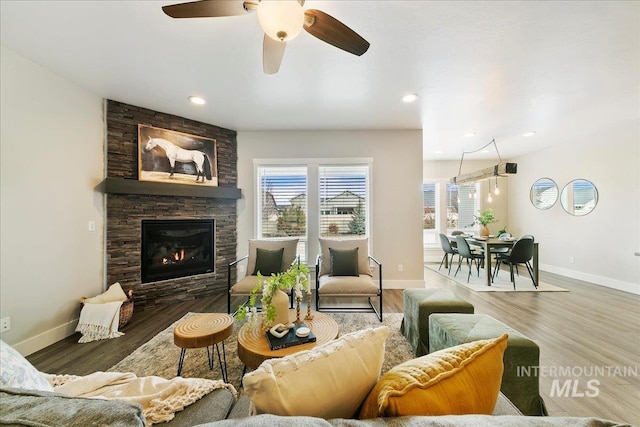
418,305
449,330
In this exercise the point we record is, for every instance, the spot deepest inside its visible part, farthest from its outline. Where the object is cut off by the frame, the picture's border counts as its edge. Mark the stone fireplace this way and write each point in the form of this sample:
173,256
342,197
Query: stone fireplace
132,203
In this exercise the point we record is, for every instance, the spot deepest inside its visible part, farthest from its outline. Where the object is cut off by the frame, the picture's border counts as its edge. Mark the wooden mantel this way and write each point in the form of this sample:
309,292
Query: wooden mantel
133,186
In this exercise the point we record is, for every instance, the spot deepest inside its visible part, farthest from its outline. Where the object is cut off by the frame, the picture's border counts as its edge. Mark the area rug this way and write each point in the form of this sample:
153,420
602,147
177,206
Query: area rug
159,356
502,283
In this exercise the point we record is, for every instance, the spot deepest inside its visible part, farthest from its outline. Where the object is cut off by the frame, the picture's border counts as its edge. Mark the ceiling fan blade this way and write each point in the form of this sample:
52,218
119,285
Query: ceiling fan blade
330,30
209,8
272,53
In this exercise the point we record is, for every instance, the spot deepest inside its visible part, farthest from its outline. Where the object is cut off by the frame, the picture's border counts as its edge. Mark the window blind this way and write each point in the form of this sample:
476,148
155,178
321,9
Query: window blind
344,200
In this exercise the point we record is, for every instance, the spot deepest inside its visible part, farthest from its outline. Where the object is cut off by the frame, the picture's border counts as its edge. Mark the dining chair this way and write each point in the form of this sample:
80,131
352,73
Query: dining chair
503,250
464,251
521,253
455,233
448,249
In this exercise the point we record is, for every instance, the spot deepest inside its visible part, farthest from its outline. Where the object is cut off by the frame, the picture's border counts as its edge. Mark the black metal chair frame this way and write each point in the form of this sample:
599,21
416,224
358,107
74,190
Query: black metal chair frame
377,311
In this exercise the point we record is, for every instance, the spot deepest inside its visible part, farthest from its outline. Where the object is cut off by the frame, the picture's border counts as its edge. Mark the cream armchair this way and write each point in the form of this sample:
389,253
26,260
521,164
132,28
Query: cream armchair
344,268
266,256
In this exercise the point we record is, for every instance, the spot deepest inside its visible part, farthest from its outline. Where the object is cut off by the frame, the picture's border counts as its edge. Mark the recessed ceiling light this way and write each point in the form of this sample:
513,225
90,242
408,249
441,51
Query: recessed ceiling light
198,100
484,151
529,133
410,97
437,152
469,134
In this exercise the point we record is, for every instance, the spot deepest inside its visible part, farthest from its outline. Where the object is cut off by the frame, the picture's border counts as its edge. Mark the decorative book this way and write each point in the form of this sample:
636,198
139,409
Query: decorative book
290,339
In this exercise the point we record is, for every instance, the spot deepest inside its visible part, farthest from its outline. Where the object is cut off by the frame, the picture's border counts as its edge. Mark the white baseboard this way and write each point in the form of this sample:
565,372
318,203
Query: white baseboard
44,339
632,288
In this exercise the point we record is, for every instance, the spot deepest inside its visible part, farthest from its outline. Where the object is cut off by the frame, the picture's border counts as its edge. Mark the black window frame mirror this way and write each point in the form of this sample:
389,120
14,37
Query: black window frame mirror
549,199
583,205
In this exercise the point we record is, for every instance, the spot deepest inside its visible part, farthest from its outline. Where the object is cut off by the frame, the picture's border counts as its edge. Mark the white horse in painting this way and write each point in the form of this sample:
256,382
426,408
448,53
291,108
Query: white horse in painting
177,154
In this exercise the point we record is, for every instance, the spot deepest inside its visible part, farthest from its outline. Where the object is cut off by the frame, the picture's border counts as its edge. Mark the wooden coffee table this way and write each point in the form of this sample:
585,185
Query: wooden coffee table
253,346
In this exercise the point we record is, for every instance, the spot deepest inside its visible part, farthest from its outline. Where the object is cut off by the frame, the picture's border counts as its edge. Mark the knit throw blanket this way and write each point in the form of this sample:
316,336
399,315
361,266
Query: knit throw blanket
160,398
99,321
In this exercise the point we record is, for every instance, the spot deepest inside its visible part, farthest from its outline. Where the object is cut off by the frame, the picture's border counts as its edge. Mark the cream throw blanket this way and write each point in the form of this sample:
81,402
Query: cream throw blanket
99,321
160,398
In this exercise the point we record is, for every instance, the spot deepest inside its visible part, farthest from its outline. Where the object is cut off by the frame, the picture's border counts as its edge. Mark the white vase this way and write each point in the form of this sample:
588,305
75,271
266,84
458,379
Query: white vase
280,302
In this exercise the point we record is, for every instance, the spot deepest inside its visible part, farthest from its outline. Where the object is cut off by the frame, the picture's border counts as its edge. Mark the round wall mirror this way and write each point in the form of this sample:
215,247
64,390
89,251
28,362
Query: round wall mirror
544,193
579,197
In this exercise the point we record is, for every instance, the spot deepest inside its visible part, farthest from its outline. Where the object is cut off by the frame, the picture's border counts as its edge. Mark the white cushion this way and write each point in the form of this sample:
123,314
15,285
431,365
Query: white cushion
113,294
347,285
288,256
363,253
17,372
328,381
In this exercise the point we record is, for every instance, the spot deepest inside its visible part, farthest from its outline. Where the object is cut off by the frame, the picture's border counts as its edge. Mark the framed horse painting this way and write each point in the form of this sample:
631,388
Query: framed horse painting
175,157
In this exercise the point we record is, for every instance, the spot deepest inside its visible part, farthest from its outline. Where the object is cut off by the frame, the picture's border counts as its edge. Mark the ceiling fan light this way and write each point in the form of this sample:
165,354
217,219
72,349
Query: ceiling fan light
281,20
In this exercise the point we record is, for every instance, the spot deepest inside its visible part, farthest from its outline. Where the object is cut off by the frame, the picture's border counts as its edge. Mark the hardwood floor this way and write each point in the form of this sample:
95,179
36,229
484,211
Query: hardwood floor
586,330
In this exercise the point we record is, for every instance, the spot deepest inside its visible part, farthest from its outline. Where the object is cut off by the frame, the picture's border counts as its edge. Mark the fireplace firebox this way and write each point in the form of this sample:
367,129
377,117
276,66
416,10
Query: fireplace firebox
177,248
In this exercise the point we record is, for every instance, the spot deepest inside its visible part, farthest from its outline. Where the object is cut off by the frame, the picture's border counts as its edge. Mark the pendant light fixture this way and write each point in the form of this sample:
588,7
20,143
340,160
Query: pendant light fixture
496,190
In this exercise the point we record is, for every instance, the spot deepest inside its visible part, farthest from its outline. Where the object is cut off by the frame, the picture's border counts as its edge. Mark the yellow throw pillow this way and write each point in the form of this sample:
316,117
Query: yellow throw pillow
328,381
459,380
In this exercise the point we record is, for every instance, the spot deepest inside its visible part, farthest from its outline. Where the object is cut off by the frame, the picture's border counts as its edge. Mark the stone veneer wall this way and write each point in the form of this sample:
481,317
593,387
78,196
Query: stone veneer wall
125,212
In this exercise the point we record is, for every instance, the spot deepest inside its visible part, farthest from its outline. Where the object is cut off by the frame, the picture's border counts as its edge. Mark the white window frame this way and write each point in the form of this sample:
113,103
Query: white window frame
313,196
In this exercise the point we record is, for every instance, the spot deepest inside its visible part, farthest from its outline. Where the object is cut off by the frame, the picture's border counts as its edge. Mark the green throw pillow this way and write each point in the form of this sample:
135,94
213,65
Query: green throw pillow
344,262
268,261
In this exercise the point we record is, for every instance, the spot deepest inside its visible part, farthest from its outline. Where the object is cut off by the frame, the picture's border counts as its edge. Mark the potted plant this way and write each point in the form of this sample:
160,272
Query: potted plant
271,289
485,217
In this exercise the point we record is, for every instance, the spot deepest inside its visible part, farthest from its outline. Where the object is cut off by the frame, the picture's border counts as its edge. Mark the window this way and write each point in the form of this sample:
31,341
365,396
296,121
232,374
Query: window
344,199
311,199
429,214
444,212
282,203
462,204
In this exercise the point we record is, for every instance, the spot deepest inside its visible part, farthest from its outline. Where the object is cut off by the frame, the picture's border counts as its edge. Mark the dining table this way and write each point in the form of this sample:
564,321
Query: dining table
492,242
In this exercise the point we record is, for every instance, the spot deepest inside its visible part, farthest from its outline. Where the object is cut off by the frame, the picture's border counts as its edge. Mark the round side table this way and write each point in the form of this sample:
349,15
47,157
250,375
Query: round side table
253,346
204,330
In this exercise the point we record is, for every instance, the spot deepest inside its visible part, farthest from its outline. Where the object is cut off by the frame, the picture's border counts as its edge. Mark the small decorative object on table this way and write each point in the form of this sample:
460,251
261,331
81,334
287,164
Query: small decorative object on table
296,279
299,334
485,217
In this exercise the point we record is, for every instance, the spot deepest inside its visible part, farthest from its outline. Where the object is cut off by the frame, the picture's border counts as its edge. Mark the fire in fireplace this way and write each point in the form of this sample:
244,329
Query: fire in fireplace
176,248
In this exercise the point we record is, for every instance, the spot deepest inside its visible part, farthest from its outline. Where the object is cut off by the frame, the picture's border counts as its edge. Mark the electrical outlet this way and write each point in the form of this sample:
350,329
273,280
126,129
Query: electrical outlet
5,324
400,267
241,268
91,226
572,260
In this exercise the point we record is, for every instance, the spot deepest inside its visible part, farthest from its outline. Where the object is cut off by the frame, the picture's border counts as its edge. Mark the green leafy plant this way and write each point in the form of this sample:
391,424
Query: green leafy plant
485,217
298,273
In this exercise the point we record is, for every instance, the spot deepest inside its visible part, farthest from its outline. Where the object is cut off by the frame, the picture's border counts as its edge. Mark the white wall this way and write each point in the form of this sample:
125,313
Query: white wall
396,186
603,242
51,146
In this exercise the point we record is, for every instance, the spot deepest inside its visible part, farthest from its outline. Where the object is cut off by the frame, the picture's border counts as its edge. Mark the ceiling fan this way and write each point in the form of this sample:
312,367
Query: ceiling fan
281,20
